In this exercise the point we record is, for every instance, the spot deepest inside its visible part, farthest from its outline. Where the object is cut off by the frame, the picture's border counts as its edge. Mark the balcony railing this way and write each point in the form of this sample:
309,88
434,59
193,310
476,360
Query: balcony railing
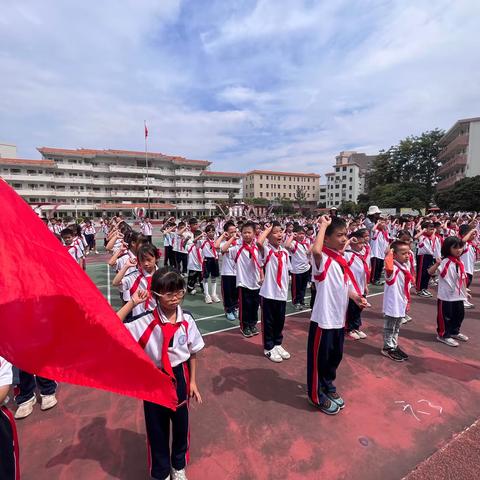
461,141
456,161
211,184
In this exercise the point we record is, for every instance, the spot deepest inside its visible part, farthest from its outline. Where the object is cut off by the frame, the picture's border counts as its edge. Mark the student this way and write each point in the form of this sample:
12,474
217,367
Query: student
179,241
89,232
406,237
335,285
195,262
80,244
171,339
452,292
228,272
146,229
67,238
379,243
299,249
396,298
9,454
167,229
211,268
467,234
274,291
245,256
427,252
358,261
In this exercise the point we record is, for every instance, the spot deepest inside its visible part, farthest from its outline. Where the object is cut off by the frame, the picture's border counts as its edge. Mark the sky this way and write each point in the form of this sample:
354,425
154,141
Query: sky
266,84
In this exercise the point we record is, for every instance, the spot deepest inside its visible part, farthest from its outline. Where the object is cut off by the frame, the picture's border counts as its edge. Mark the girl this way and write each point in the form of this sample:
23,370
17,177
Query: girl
452,294
171,339
211,268
89,233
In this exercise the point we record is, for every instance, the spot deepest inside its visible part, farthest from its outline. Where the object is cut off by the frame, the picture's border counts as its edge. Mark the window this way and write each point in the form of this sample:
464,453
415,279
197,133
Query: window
337,195
261,177
261,194
17,185
266,178
261,185
344,169
15,170
350,187
344,177
350,196
266,185
31,171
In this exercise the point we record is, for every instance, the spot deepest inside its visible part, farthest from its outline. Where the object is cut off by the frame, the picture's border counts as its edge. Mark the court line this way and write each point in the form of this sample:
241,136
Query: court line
108,285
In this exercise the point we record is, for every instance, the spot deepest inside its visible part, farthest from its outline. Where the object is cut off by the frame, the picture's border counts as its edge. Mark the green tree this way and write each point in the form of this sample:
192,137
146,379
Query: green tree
348,208
300,197
231,197
464,195
397,195
258,201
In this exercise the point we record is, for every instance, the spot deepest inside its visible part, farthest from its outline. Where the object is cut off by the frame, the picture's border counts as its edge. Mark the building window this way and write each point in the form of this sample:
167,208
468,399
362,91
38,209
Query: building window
350,187
261,194
344,169
261,185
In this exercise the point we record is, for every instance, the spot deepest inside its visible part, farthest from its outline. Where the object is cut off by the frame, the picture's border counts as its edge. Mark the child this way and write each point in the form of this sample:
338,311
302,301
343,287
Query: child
358,261
333,279
146,229
67,238
274,291
171,339
211,268
427,250
89,232
181,256
379,244
396,298
228,272
300,251
451,295
245,256
467,234
195,262
9,460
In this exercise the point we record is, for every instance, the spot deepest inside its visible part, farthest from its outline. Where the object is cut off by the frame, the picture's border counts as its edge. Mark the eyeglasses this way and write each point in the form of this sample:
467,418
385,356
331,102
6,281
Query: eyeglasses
171,295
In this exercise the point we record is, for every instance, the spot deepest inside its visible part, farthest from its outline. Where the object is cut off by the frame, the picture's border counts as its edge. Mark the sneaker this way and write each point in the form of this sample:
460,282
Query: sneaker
297,306
403,321
401,353
215,299
336,398
427,293
208,299
25,408
193,292
254,330
424,293
282,352
448,341
326,406
246,332
96,252
361,334
178,474
273,355
237,313
48,401
392,354
467,304
353,334
230,316
460,336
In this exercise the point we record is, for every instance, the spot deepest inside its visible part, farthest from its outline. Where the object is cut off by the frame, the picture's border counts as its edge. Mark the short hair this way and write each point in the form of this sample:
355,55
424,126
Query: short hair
427,224
166,280
248,225
209,228
337,224
464,229
148,249
397,244
298,229
228,225
357,233
66,231
275,224
450,242
182,224
402,233
309,227
193,221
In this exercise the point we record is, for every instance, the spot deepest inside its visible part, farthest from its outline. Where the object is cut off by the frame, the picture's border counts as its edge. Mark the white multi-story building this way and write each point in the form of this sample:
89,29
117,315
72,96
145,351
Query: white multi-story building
347,182
102,182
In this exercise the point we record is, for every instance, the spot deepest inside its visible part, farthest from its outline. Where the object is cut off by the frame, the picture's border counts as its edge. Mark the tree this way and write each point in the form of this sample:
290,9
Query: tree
394,195
231,197
413,160
300,197
348,208
258,201
464,195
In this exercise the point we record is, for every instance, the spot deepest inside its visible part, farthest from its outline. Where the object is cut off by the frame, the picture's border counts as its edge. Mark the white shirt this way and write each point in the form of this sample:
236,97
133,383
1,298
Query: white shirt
89,230
270,287
185,341
228,267
357,267
167,239
195,258
208,249
449,289
74,252
6,375
300,254
378,244
146,228
248,271
394,299
428,245
468,257
331,302
130,285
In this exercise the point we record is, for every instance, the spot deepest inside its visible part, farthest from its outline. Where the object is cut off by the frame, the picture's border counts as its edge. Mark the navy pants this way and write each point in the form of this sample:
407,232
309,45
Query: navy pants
376,269
424,262
181,260
158,420
324,354
450,316
29,382
299,286
9,464
273,320
354,316
229,293
194,277
249,301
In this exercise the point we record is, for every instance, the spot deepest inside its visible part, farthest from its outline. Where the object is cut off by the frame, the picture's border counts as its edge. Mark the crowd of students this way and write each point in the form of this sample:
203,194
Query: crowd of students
258,262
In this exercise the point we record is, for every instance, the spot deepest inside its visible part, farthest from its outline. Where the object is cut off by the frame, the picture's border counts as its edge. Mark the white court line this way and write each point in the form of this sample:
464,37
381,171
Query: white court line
108,285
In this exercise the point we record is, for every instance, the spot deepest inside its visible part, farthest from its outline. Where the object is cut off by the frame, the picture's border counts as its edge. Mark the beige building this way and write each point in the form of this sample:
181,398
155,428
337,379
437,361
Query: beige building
275,185
460,152
8,150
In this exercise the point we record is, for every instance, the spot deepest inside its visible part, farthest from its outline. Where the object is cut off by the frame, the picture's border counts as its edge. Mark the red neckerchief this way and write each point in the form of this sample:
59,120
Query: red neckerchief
136,284
409,279
198,252
211,243
363,258
432,239
279,254
347,272
251,250
412,267
305,244
383,232
461,268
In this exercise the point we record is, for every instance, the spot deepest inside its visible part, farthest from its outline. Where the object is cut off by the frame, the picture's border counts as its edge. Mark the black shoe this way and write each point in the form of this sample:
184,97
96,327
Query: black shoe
254,330
402,353
392,354
246,332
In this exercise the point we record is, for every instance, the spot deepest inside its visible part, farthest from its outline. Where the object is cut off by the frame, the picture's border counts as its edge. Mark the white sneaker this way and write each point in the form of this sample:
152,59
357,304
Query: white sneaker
460,336
282,352
353,334
208,299
408,318
48,401
361,334
273,355
467,304
178,474
404,321
448,341
215,299
25,408
193,292
96,252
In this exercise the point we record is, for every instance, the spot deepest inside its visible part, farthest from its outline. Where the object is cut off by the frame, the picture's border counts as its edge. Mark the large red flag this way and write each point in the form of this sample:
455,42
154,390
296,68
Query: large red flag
55,322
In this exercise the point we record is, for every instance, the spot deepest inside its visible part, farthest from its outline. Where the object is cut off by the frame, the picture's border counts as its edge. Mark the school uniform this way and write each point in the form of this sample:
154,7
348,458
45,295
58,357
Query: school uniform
147,230
333,280
428,249
153,332
194,265
167,244
210,259
452,284
396,299
248,282
468,258
9,451
105,230
274,294
378,245
181,255
228,274
300,270
89,233
139,280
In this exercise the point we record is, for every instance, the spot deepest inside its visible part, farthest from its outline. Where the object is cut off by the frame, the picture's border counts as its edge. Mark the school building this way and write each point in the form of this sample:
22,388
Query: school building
460,152
93,183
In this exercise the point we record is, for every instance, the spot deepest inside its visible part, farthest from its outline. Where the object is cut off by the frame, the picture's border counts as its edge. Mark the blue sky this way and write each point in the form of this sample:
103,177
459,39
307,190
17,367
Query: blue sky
271,84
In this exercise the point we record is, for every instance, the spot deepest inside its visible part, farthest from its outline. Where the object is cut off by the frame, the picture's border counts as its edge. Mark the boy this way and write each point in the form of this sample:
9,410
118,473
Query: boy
210,265
67,237
428,250
146,229
274,291
467,233
195,262
378,244
334,285
396,298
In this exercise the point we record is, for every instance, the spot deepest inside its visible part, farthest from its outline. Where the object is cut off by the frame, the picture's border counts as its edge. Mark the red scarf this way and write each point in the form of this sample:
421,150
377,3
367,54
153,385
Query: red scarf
198,251
409,279
136,284
363,258
347,273
297,243
460,267
211,243
251,250
279,254
383,232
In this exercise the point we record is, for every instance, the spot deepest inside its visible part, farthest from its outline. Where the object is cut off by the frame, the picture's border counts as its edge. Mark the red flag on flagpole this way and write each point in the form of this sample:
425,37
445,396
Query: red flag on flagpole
146,130
55,322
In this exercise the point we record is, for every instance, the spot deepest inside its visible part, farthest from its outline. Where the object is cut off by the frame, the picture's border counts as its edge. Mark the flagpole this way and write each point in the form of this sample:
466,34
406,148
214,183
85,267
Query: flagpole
146,165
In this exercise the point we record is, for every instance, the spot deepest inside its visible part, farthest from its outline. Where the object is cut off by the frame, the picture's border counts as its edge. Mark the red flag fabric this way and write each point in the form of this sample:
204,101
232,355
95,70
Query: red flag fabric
55,322
146,130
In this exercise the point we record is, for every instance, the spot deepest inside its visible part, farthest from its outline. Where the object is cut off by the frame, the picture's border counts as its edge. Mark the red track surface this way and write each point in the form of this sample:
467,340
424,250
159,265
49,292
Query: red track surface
256,424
